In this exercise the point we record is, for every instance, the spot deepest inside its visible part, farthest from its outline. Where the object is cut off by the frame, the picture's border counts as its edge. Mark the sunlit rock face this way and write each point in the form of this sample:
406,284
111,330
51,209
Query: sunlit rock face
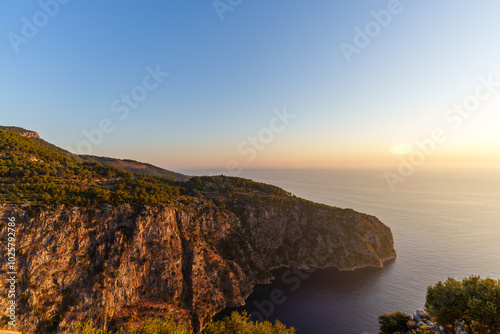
30,134
121,265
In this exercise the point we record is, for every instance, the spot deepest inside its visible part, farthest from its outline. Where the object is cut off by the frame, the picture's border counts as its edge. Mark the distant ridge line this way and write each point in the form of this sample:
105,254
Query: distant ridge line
126,164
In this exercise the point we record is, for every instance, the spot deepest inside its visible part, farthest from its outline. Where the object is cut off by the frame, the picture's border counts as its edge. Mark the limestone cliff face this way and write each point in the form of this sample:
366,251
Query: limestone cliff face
30,134
120,265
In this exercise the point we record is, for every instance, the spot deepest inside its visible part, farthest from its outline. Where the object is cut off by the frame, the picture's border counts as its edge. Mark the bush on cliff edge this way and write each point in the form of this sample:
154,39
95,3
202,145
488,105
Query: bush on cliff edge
235,324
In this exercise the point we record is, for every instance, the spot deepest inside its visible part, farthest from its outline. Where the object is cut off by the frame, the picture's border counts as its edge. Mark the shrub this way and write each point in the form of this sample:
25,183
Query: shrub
394,322
235,324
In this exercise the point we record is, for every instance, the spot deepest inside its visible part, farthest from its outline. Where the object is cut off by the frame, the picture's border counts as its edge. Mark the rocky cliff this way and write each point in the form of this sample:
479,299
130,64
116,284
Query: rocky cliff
30,134
122,265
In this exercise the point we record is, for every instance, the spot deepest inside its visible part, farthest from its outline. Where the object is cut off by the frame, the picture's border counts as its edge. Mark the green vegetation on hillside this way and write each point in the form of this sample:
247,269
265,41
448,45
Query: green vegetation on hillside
31,173
40,176
135,167
235,324
39,141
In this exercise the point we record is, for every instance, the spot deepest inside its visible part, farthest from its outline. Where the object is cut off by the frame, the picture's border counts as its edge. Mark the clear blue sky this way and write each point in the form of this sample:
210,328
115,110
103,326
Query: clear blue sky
227,76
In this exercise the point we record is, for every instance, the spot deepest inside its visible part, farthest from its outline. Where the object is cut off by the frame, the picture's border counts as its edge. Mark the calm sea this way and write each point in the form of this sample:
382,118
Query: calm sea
445,224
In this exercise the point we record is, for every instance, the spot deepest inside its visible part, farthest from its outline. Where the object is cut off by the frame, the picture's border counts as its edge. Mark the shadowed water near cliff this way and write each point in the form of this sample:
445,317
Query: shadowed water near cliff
445,224
323,301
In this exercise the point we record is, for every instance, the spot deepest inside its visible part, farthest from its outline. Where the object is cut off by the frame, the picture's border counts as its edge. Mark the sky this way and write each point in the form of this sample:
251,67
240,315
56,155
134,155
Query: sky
231,84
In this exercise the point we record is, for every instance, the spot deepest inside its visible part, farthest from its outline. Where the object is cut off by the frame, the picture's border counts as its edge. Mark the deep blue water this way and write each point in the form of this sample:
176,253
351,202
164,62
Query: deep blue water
445,224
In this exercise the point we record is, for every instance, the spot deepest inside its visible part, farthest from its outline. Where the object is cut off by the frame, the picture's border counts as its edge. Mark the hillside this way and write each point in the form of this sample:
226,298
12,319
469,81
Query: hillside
128,165
135,167
99,242
36,138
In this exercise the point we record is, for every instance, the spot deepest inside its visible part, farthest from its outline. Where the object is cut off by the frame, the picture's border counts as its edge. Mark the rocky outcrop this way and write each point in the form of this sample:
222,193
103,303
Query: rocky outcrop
424,320
20,131
122,265
30,134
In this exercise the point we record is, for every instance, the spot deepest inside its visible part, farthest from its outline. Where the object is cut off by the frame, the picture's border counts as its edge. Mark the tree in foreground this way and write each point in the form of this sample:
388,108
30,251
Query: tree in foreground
473,301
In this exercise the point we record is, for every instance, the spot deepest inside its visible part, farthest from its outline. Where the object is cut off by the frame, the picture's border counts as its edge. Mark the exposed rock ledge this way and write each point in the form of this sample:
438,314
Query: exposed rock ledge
30,134
119,265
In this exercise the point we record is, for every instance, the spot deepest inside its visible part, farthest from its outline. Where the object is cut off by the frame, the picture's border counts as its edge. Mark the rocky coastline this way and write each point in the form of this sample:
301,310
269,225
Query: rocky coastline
122,265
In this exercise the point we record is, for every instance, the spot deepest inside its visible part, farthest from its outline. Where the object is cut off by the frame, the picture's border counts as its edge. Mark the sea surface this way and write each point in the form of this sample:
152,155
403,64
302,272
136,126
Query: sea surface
445,224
